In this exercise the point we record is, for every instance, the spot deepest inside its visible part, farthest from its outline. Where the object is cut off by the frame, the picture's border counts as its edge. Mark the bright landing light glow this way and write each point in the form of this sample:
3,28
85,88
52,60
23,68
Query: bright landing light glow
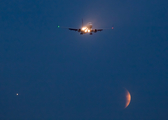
84,28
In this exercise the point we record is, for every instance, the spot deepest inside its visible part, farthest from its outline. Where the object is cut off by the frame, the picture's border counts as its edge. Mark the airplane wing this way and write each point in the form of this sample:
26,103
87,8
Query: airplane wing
70,28
95,30
74,29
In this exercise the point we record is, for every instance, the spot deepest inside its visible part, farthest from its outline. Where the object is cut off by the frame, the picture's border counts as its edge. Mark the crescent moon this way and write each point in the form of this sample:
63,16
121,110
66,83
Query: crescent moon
128,98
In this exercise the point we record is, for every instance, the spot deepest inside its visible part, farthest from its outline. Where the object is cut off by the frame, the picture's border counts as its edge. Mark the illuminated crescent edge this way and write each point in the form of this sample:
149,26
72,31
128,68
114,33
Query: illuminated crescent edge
128,99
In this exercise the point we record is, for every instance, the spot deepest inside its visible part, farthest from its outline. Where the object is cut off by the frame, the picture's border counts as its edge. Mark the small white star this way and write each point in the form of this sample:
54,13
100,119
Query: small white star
17,94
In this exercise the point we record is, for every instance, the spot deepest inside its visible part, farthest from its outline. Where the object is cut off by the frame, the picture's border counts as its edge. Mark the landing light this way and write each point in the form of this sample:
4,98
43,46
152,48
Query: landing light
83,28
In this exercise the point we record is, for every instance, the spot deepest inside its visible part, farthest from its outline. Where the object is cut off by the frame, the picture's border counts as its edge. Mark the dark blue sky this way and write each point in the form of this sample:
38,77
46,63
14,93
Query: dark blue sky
62,75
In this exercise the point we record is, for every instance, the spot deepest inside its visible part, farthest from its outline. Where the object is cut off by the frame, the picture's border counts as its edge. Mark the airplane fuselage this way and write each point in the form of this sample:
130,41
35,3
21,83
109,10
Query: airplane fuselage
86,29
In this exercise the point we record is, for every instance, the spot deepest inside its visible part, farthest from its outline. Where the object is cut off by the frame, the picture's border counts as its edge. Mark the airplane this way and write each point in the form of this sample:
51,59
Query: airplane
86,29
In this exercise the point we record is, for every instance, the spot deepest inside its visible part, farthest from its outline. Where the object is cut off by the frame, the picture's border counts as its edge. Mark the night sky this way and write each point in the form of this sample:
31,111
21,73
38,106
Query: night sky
62,75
